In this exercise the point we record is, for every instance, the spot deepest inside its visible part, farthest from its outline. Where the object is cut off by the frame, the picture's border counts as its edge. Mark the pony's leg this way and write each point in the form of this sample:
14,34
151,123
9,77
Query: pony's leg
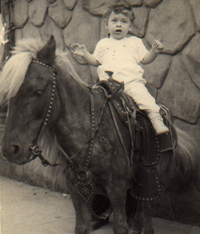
142,219
148,225
83,217
137,221
117,196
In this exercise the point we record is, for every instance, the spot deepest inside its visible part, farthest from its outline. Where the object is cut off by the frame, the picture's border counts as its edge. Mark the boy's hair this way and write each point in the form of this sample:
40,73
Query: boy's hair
120,7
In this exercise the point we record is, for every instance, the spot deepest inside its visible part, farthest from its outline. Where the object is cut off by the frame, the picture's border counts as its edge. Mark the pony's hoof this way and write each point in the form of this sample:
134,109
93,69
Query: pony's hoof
135,232
96,224
150,231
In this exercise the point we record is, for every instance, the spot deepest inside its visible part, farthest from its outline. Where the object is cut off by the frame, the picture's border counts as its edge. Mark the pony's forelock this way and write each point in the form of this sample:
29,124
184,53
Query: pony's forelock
14,71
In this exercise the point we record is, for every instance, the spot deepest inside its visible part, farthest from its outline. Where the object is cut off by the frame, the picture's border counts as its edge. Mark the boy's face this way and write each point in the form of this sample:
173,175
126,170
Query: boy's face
118,25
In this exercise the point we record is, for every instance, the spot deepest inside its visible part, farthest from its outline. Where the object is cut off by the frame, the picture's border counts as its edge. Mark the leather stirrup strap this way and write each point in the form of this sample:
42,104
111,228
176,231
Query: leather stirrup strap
118,130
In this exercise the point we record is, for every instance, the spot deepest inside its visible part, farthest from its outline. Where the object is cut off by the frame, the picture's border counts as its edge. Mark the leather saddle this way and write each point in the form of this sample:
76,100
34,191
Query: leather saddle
147,145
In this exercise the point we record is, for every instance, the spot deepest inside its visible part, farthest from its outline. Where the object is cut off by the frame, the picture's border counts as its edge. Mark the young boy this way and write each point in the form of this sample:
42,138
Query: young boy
122,55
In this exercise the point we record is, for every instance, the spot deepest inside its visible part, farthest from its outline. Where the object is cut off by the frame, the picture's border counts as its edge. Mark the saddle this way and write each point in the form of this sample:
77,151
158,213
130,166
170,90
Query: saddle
147,145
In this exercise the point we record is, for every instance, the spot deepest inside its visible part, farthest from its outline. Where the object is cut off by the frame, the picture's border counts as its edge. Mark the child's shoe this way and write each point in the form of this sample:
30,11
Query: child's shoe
159,126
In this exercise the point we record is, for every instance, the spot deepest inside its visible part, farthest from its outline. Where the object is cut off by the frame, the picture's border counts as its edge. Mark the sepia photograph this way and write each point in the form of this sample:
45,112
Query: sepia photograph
87,145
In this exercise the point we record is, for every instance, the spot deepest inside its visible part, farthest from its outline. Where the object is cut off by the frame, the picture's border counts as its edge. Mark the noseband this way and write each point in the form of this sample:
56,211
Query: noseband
35,148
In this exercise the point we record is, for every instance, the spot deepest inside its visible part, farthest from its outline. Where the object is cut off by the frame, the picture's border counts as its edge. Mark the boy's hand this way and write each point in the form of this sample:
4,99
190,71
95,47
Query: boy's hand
78,49
157,46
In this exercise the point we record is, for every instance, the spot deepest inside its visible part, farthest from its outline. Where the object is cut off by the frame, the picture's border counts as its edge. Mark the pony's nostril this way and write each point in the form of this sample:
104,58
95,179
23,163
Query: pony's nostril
15,149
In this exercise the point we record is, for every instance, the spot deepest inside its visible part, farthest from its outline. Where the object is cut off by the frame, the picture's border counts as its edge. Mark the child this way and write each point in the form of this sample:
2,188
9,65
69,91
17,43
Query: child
122,55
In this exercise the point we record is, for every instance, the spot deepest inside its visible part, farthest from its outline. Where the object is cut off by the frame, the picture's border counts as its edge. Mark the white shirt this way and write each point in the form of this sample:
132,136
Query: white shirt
122,57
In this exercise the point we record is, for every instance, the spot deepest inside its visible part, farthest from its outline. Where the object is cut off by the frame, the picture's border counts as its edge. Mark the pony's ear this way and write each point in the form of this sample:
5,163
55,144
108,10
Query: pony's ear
47,53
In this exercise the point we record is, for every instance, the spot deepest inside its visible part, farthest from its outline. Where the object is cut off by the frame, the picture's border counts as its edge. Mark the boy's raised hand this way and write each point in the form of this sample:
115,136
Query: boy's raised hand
157,46
78,49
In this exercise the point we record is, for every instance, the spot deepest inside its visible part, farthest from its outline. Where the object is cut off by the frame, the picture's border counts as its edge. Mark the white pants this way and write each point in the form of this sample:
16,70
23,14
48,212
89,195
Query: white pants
145,101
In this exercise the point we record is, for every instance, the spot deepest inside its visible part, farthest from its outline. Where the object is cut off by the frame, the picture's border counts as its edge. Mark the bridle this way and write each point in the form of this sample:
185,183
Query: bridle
35,148
82,173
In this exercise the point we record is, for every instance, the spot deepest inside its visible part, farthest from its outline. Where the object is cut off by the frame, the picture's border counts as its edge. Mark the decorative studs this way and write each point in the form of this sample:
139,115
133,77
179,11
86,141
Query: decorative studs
53,88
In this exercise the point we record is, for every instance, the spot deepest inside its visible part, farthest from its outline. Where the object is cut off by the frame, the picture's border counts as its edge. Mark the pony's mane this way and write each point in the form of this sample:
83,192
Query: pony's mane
15,69
63,60
49,146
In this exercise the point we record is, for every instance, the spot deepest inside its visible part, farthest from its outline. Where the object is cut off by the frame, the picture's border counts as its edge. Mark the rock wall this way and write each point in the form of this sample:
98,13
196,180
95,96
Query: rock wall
175,72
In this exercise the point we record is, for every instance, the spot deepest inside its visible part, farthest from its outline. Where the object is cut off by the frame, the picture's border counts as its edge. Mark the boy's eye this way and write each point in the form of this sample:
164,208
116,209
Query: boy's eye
124,21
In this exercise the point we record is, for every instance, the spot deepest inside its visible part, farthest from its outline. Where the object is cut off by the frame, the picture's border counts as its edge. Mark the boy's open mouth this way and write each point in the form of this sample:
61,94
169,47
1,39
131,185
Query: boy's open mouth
118,30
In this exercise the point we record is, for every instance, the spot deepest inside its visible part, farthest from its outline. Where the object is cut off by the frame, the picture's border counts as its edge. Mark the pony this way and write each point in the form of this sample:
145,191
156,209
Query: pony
52,111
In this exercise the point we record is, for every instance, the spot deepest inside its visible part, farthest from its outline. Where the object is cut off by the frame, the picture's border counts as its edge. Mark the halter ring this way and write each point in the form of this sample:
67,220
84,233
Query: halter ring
35,150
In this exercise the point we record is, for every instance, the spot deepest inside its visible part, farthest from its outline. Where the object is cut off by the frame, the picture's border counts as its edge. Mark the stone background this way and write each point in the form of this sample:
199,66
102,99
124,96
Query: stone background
175,72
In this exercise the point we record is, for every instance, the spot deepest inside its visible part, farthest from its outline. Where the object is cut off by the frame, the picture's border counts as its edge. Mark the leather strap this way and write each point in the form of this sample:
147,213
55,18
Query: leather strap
35,149
118,130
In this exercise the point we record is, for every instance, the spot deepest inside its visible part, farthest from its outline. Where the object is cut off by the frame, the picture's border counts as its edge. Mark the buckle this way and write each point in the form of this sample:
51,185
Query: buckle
35,150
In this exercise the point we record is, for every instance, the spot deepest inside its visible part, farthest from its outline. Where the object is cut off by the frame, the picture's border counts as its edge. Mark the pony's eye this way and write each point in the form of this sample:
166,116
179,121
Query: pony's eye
38,93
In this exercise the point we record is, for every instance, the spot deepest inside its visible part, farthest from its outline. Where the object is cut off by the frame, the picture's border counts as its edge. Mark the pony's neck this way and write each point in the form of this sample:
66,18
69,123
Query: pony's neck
74,125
